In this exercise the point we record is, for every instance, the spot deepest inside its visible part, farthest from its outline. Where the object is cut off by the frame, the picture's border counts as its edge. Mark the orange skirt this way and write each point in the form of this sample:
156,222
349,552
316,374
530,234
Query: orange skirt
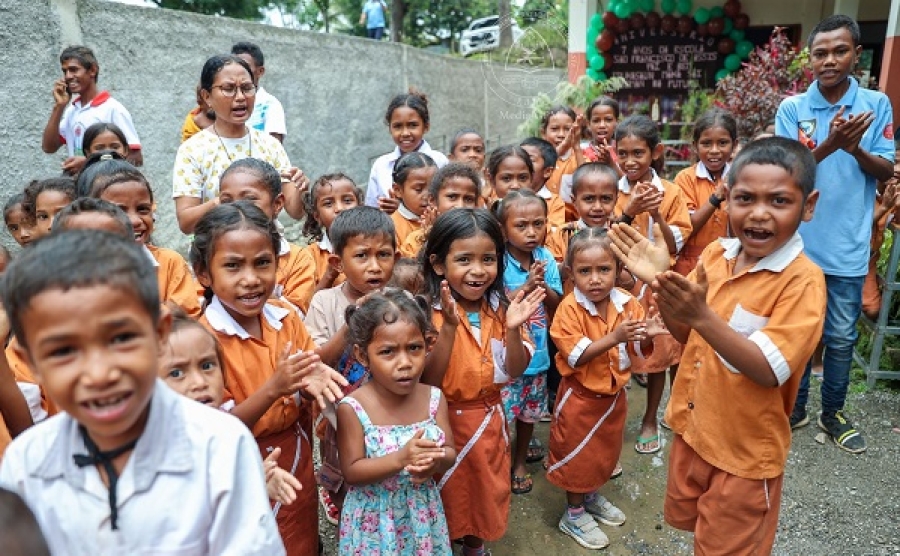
298,523
585,437
476,490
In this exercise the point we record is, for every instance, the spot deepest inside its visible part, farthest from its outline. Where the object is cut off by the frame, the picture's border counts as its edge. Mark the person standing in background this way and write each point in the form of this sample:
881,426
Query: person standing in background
268,114
373,16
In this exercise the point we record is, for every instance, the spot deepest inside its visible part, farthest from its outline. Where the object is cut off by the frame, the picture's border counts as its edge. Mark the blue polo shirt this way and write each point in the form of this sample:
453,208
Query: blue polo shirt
374,11
838,237
514,277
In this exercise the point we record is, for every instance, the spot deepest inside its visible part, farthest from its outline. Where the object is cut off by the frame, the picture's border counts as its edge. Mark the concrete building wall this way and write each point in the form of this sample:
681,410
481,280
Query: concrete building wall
334,88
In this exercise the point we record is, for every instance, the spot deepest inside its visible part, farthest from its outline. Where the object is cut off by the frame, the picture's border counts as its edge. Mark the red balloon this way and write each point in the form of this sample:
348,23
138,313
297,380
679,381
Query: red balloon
638,21
741,21
605,40
732,8
669,22
608,63
685,24
653,20
716,26
726,45
702,29
622,26
610,20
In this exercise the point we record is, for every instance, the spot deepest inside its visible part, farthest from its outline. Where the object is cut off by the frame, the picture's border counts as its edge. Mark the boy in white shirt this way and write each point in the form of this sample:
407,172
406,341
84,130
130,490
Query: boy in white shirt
127,466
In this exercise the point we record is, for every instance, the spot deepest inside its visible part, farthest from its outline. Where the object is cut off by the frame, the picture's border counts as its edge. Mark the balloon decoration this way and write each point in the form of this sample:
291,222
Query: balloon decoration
726,22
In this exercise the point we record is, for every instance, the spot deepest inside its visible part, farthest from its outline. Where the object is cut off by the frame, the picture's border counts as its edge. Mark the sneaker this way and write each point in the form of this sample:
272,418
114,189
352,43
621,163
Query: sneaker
845,436
332,515
799,418
605,512
584,530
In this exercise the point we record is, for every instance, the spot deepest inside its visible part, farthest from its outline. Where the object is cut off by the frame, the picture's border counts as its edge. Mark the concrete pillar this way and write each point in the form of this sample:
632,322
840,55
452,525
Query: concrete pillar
69,22
580,12
890,63
849,8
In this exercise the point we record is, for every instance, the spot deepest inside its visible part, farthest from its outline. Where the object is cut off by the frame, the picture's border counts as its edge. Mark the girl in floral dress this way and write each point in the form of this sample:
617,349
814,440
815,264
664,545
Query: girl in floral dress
393,434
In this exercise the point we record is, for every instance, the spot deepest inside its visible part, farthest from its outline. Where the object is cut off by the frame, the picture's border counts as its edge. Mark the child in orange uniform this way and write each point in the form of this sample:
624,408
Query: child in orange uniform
269,357
411,174
644,201
543,160
750,314
127,188
599,330
703,184
257,181
509,168
480,346
326,198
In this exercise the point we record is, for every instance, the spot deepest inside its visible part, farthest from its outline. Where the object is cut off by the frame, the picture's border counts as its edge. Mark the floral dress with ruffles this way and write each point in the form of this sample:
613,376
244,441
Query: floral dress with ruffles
394,516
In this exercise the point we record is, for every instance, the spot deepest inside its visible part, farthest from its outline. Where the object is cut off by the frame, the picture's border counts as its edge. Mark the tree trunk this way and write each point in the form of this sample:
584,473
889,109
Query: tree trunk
505,14
398,10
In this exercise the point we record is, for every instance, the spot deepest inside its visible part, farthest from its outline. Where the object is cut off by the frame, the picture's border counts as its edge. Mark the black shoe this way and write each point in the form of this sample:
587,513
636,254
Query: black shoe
799,418
845,436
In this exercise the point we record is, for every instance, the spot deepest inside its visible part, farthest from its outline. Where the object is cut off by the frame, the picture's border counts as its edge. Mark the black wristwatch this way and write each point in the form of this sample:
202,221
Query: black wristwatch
715,201
625,219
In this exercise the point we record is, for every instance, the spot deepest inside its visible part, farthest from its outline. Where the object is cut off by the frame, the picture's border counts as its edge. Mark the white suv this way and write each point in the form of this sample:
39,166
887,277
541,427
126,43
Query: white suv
484,34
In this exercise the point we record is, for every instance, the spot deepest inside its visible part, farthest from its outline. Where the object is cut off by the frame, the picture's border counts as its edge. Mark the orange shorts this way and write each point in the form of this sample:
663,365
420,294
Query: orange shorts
729,515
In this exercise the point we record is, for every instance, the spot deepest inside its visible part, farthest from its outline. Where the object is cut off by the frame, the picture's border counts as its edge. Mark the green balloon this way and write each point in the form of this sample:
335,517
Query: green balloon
596,22
729,26
592,36
701,16
737,35
684,7
716,11
598,62
648,5
722,74
612,4
623,10
743,49
668,6
594,74
591,50
733,62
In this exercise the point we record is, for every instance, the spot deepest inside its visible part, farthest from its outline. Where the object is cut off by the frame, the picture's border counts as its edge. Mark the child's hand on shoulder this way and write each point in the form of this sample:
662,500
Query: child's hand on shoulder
522,306
680,298
389,203
448,305
324,384
630,330
281,486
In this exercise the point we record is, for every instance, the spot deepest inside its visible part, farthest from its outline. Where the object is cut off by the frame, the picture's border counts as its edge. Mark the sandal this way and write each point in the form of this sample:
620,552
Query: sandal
522,485
647,444
617,471
535,451
641,379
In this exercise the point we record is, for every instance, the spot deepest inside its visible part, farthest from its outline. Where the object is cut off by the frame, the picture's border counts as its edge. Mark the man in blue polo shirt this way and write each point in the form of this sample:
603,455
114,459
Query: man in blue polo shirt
373,17
850,132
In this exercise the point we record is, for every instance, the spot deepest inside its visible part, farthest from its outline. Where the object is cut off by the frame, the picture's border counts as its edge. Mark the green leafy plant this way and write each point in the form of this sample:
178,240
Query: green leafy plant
577,96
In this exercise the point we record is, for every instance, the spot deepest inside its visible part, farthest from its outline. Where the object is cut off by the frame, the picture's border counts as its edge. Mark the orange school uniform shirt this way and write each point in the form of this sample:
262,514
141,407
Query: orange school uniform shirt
673,210
296,275
405,223
477,366
319,252
731,422
556,208
578,323
696,186
39,404
176,283
250,362
564,167
414,243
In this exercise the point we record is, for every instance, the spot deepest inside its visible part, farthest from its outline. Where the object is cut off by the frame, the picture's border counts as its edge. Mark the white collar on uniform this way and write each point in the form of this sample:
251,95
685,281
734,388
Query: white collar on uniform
616,296
284,247
406,213
703,171
423,148
544,193
325,243
150,255
625,187
220,320
776,261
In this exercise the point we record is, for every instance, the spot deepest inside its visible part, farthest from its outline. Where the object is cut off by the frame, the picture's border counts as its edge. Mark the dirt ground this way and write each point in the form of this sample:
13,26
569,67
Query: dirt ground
833,502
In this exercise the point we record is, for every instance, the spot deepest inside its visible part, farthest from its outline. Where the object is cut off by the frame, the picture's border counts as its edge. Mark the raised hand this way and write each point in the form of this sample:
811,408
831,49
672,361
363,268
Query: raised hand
630,330
324,384
845,133
388,204
60,92
522,306
292,370
654,323
448,305
644,259
428,217
679,297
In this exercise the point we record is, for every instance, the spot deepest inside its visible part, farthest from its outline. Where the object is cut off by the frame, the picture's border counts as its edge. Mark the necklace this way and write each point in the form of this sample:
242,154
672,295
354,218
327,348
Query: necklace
224,148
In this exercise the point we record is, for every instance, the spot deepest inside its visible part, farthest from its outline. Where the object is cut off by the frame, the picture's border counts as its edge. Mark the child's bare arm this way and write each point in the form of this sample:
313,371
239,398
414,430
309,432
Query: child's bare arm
331,351
439,358
12,403
667,234
686,302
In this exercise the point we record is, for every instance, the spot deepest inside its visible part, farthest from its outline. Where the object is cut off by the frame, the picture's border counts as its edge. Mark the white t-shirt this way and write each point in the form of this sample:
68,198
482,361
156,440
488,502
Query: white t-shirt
381,177
268,114
103,108
202,159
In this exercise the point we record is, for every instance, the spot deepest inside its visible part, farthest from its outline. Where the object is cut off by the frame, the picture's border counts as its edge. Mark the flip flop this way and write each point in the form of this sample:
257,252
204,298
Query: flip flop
648,440
535,451
522,485
617,471
641,379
